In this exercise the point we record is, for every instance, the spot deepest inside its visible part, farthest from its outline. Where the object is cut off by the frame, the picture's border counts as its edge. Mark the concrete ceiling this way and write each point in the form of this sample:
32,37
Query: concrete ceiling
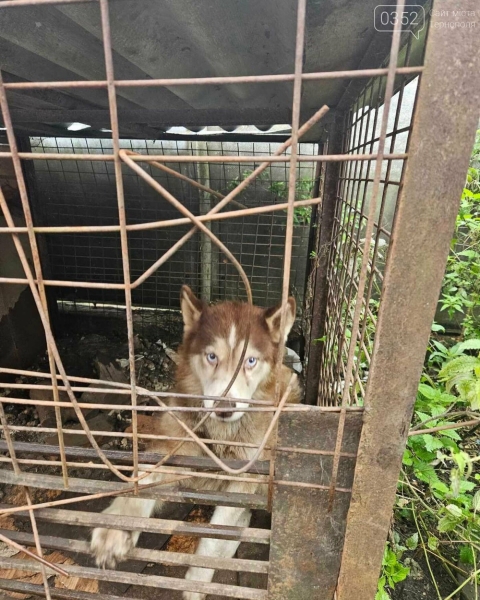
181,38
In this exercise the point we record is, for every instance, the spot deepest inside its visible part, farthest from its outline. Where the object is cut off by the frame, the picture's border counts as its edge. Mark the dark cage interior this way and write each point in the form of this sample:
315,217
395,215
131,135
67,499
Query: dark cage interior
252,150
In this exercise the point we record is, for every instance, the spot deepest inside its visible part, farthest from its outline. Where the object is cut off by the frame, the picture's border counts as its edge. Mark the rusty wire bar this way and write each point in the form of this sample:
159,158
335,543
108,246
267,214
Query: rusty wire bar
207,158
14,544
112,103
292,178
230,196
167,223
360,73
123,388
152,409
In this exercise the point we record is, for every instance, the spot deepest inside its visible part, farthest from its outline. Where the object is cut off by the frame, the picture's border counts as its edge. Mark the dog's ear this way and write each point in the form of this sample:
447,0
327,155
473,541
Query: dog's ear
273,318
191,307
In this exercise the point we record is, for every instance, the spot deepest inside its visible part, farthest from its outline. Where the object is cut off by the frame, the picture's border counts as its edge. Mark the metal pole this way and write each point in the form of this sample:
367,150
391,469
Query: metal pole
319,309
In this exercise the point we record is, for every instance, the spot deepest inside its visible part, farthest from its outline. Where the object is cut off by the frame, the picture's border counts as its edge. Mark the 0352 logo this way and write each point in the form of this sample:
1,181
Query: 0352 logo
387,19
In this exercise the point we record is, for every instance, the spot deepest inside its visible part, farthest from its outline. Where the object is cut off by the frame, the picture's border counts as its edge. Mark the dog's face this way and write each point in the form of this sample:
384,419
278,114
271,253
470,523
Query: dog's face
214,338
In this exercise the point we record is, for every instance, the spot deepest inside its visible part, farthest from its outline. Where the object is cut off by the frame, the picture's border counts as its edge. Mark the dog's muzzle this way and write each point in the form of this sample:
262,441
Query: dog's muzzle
229,407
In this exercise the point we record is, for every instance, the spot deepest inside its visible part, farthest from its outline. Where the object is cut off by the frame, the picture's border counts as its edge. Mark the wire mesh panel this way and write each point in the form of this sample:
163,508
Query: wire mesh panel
352,257
83,193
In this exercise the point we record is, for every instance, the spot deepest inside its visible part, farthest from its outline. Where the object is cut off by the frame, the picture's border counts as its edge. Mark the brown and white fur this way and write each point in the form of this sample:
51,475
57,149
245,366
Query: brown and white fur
213,341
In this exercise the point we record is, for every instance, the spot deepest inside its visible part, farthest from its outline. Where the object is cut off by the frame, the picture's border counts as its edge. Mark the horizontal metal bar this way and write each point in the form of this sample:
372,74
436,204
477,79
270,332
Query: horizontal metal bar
193,462
94,486
155,556
125,389
164,526
180,474
234,214
185,474
152,409
146,436
30,589
143,436
123,83
155,581
205,158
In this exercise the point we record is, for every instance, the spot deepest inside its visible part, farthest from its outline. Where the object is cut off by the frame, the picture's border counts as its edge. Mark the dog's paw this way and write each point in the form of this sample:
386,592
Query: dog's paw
110,546
193,596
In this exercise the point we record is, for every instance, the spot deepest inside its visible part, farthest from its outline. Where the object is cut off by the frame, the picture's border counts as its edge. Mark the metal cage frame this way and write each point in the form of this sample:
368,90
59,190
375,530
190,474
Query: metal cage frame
342,450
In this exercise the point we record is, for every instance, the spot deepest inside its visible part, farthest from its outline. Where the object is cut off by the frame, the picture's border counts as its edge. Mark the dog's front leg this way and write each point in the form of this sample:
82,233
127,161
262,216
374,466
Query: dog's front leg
110,546
223,515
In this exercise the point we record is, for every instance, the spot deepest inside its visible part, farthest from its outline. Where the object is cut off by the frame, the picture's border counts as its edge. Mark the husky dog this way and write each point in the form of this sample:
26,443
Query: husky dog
213,341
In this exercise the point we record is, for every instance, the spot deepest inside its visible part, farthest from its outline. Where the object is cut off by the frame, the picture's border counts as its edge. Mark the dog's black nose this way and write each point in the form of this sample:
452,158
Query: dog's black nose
227,406
224,415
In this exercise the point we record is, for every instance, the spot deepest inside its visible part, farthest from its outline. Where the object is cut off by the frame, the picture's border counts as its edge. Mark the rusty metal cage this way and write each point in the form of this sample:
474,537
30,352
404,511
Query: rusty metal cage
375,271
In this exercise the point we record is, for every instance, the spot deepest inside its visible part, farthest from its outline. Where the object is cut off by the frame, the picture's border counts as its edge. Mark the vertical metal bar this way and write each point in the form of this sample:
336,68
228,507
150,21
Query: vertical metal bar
112,101
38,545
8,439
413,277
312,247
297,92
368,240
22,188
319,309
292,175
203,171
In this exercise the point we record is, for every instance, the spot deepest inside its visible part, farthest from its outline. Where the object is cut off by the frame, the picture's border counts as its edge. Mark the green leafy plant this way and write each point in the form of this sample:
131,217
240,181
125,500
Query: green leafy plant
393,570
461,286
303,191
439,478
233,183
463,374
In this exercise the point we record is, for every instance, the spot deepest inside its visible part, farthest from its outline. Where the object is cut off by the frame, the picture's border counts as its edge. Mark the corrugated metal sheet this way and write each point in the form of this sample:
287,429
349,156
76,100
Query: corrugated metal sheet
181,38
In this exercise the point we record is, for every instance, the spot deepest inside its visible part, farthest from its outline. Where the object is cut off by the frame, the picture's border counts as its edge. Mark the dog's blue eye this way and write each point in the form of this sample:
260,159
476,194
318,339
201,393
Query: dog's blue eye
212,358
252,361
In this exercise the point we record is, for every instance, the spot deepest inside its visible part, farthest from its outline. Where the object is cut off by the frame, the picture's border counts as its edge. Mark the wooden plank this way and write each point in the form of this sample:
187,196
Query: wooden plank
167,494
165,526
155,581
307,539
